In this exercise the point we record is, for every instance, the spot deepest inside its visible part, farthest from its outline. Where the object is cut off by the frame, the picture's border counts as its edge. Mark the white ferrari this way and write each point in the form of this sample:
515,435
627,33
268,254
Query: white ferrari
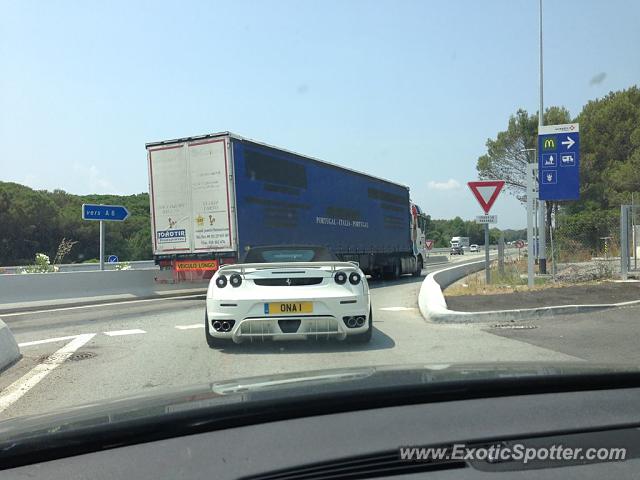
288,293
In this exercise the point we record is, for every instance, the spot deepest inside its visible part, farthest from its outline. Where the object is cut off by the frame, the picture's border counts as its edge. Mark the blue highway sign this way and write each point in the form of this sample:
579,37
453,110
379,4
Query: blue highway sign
559,162
112,259
111,213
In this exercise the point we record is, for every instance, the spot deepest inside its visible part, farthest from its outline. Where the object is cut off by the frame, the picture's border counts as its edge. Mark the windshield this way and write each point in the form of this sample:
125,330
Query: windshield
288,254
456,182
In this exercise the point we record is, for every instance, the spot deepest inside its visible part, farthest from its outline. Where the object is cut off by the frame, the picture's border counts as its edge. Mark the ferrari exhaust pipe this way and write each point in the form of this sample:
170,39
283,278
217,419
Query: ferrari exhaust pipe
360,321
225,326
216,326
351,322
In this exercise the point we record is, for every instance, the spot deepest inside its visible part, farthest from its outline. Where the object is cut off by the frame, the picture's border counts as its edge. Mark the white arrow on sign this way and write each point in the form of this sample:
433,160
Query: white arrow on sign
569,142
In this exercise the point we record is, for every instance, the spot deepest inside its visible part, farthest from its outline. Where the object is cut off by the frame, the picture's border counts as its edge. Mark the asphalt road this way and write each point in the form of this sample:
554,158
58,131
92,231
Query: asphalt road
609,336
88,354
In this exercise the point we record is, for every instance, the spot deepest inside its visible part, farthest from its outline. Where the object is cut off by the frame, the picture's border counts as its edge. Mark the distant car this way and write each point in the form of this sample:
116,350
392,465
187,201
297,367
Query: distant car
281,292
473,248
457,250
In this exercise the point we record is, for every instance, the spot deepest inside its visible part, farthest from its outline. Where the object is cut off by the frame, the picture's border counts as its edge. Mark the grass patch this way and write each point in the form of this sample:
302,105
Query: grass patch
513,279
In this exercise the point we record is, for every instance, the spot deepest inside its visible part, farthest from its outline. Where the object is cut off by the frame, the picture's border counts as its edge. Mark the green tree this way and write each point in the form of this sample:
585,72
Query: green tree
36,221
609,150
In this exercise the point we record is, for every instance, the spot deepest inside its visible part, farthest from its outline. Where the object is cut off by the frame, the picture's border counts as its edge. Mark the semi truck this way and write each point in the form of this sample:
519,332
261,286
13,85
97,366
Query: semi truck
215,196
462,242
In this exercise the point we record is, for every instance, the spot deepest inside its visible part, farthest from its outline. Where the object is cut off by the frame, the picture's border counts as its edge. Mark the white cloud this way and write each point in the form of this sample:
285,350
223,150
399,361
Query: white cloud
93,179
450,184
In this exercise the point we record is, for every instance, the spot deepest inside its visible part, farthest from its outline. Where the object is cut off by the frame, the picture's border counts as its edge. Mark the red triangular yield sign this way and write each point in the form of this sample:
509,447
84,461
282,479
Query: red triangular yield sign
486,192
428,244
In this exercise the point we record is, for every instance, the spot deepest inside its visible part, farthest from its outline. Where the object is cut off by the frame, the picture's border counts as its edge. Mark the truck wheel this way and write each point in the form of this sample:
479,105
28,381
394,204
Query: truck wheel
397,269
212,341
363,337
419,267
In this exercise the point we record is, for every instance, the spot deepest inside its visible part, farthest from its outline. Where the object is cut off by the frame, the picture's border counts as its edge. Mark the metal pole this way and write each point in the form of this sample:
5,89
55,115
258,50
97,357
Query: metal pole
542,212
487,276
101,245
553,251
536,250
633,232
530,200
501,254
624,242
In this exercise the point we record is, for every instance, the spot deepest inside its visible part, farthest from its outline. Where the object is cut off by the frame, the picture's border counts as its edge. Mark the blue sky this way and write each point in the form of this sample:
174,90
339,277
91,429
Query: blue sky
405,90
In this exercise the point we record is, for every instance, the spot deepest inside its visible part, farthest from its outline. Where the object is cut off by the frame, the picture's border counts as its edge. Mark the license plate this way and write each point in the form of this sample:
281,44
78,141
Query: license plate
278,308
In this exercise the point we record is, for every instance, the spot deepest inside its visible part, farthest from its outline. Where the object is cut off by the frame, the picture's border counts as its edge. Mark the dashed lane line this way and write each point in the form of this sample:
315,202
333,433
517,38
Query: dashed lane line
17,389
117,333
48,340
114,333
188,327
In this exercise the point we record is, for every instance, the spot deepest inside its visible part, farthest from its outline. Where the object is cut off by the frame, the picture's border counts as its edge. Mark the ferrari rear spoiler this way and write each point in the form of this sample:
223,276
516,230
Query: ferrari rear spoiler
241,267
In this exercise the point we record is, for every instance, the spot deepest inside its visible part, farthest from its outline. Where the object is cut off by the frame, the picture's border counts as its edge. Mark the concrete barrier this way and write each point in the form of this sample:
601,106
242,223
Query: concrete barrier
9,351
433,306
431,301
26,291
22,292
433,259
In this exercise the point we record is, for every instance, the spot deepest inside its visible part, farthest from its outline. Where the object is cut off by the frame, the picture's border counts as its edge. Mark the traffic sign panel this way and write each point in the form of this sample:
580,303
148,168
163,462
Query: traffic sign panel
559,162
549,159
428,244
486,192
487,219
111,213
112,259
519,244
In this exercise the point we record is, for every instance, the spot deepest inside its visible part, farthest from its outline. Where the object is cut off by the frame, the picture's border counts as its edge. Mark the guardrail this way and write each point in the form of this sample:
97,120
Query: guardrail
480,249
87,267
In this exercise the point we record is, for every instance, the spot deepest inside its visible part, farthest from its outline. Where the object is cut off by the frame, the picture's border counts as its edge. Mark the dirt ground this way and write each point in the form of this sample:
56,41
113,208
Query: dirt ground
605,292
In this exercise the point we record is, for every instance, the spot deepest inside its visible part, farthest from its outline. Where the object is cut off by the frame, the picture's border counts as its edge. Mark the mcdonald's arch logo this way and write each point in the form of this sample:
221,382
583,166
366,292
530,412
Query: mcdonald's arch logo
549,143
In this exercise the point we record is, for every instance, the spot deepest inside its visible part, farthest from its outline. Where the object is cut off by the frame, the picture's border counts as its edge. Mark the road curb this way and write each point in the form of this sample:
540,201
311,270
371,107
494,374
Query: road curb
9,351
433,305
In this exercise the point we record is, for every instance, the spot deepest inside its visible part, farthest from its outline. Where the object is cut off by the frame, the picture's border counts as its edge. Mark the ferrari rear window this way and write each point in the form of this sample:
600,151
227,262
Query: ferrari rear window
303,254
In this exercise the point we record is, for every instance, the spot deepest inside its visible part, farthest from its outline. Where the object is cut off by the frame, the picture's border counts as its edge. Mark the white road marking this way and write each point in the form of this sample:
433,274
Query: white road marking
187,327
17,389
48,340
97,305
396,309
116,333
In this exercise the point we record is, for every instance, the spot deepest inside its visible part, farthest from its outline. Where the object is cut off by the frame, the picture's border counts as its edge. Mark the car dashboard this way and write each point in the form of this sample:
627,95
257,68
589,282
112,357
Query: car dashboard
366,443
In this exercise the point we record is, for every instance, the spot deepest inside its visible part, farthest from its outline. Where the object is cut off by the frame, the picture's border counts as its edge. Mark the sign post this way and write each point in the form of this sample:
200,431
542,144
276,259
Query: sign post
519,244
101,245
501,254
486,192
558,170
102,213
532,170
428,245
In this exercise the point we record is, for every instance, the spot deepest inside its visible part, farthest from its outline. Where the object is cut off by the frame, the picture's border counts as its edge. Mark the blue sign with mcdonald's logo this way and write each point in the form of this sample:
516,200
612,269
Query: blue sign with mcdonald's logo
559,162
